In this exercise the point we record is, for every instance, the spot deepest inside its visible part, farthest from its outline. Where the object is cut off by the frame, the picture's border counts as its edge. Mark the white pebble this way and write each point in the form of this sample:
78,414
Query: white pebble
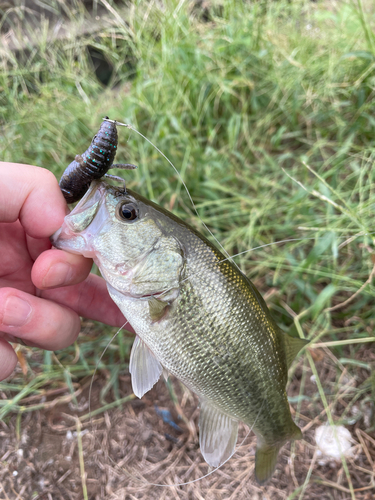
333,441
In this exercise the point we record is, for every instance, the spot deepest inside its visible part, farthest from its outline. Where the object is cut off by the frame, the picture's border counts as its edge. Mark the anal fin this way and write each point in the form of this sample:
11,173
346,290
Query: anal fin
145,369
217,434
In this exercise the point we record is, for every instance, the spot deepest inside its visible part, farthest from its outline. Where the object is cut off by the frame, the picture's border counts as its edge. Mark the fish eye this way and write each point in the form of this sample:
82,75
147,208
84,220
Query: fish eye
128,212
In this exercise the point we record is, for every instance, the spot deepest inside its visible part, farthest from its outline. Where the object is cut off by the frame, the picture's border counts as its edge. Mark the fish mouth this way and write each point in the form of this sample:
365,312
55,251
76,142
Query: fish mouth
80,227
164,295
147,296
54,238
63,239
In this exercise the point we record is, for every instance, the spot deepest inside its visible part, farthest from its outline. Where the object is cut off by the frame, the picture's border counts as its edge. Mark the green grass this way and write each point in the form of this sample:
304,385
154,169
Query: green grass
267,110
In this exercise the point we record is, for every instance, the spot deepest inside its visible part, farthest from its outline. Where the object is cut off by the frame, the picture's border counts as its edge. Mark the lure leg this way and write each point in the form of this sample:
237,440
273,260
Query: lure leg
116,178
124,166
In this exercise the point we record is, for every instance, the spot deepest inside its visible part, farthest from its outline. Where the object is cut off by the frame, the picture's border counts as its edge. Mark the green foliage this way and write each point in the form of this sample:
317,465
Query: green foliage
265,108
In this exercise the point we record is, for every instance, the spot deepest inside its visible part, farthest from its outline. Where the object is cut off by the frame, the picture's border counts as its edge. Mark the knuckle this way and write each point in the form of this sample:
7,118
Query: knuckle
48,177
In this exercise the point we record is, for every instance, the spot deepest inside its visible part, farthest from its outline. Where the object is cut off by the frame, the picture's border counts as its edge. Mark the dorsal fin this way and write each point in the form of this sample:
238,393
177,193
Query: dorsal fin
292,347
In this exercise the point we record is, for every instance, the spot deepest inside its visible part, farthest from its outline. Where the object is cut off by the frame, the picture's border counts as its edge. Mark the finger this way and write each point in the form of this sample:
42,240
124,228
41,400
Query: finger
36,321
55,268
15,262
32,195
8,359
89,299
36,246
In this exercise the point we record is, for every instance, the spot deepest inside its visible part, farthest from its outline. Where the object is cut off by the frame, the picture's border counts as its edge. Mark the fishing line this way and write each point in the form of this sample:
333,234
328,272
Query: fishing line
257,248
99,360
228,258
97,366
181,179
111,340
190,198
274,243
144,481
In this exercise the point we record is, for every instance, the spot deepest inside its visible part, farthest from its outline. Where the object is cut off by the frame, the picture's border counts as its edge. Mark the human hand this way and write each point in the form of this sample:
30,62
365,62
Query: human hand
33,310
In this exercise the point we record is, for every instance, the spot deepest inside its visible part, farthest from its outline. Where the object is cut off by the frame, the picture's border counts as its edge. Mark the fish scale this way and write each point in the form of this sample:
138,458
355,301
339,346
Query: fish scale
196,315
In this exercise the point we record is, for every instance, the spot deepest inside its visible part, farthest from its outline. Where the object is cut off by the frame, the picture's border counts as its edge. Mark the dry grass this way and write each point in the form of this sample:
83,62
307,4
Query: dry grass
231,99
125,449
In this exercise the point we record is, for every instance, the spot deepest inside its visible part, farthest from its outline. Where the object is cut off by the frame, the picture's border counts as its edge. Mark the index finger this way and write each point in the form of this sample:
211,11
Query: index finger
32,195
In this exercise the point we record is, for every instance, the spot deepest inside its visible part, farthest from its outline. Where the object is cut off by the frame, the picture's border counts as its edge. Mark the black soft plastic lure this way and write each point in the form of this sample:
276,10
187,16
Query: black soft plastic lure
92,164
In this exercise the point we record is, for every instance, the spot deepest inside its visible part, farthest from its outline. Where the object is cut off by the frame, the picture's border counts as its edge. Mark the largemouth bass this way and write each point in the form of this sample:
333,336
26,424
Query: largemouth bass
196,316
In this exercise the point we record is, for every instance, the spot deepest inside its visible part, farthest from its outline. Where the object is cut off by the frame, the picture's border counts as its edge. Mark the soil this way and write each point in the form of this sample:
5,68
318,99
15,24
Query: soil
126,448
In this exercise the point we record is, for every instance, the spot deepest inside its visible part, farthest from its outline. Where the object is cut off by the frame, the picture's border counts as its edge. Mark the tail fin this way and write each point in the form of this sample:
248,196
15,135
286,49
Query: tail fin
265,461
266,456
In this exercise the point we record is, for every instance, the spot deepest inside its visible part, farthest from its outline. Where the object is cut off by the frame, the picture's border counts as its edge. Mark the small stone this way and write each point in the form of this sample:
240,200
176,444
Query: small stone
333,441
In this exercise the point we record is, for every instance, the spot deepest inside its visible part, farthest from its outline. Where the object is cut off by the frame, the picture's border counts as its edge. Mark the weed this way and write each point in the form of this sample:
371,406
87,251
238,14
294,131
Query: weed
267,110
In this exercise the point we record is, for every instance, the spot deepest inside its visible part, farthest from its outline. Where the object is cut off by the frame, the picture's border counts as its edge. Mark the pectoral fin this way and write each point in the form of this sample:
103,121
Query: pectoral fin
157,308
145,369
217,434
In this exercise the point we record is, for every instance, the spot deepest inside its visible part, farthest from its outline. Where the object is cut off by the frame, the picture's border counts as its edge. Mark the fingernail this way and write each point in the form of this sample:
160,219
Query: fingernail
58,275
16,312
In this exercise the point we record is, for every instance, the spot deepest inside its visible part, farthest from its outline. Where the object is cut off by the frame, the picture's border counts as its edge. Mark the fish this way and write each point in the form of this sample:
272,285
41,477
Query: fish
196,316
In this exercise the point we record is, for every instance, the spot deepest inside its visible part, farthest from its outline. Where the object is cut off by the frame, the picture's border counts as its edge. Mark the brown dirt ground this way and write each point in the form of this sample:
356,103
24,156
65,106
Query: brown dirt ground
125,449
